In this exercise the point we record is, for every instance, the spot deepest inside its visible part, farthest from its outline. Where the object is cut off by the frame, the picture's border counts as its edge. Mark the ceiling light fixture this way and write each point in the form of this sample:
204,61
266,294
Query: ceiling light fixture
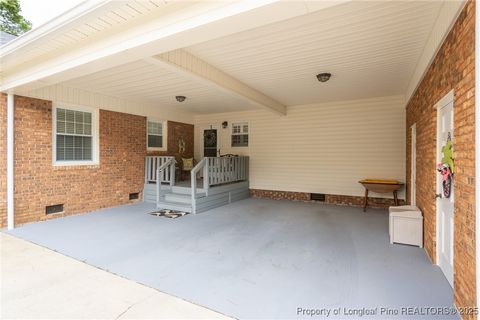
324,77
180,98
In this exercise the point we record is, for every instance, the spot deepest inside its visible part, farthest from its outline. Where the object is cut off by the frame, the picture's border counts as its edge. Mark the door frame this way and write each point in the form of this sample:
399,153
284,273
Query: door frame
448,98
413,165
219,136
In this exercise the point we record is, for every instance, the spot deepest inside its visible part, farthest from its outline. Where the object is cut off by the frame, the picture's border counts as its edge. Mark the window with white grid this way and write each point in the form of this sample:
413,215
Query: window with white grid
74,135
240,133
156,135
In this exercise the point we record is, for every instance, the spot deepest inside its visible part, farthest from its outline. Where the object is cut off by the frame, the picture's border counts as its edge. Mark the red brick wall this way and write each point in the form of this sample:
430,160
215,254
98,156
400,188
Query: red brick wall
352,201
3,160
452,68
175,131
80,188
122,139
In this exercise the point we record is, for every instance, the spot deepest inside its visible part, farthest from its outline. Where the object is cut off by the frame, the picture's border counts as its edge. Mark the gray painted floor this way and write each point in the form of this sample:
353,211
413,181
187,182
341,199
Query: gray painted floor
256,258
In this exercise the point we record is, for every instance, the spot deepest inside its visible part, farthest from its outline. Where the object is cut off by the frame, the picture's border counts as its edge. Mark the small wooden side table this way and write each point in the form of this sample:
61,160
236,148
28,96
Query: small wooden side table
381,186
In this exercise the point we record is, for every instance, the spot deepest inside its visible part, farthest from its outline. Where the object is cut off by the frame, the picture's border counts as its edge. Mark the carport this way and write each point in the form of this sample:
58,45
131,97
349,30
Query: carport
255,258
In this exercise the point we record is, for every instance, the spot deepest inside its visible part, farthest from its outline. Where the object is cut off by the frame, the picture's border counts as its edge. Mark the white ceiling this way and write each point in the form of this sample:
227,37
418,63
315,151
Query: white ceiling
371,48
141,81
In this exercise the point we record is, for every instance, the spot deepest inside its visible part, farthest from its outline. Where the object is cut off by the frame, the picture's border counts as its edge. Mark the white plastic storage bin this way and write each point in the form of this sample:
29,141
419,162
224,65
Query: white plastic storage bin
406,225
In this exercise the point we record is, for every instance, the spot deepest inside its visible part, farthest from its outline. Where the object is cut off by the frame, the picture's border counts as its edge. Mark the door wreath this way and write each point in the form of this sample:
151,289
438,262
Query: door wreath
446,167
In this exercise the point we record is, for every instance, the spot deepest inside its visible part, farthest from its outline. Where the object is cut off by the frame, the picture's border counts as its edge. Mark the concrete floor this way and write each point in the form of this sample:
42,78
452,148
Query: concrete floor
38,283
256,258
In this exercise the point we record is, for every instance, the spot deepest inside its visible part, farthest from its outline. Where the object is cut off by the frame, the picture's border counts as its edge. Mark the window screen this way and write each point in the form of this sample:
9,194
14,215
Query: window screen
155,134
240,135
74,135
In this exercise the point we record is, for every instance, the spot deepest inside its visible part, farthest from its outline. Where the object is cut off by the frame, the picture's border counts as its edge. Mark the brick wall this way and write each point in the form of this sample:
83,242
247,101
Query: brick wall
175,131
80,188
3,160
452,68
122,139
353,201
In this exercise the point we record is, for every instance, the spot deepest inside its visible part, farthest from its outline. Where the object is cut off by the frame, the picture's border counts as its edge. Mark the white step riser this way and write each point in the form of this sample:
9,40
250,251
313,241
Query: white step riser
179,198
184,190
171,206
172,197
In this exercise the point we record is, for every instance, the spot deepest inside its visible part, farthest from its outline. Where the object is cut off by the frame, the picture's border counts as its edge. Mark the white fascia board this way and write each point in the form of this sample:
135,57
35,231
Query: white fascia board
204,21
190,66
71,18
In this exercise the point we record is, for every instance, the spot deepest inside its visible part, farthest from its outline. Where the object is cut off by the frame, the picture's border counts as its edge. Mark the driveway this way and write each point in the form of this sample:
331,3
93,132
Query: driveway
257,258
41,284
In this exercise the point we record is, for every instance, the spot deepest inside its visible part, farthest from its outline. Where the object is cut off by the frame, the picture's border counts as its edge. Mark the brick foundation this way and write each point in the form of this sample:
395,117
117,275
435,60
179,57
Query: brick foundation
354,201
122,139
452,68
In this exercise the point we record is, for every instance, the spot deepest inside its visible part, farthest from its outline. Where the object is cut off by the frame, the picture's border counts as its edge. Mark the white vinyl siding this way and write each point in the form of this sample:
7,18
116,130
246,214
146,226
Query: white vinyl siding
240,134
324,148
77,97
156,134
74,136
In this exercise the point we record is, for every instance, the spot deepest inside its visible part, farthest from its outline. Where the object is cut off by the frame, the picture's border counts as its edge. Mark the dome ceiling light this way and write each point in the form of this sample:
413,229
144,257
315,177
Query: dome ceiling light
324,77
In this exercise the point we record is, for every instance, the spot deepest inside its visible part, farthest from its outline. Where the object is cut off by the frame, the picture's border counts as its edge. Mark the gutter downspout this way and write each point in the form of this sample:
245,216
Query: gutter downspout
10,162
477,150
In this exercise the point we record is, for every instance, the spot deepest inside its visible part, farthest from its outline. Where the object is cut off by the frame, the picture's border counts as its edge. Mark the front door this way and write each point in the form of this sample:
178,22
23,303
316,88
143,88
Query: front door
210,142
445,199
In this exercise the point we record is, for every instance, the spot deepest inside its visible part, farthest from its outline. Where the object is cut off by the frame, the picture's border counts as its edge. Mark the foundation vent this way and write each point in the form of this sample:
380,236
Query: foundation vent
133,196
56,208
317,197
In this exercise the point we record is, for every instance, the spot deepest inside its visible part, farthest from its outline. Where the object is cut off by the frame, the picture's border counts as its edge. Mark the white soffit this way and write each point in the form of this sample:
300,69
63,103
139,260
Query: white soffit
371,48
138,35
149,84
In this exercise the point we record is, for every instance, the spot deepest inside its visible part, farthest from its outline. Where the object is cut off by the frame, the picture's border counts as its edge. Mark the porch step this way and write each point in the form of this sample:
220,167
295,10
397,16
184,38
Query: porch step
183,190
181,198
172,205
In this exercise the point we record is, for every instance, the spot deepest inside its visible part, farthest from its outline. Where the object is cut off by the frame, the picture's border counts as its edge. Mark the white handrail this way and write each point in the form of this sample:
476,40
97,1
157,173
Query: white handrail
152,163
170,164
227,169
193,180
216,171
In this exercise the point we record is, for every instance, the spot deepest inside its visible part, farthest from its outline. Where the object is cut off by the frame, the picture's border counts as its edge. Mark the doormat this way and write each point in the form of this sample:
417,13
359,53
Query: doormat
172,214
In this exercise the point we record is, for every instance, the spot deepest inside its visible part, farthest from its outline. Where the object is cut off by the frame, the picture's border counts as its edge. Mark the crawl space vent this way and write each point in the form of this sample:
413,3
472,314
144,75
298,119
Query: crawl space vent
133,196
317,197
56,208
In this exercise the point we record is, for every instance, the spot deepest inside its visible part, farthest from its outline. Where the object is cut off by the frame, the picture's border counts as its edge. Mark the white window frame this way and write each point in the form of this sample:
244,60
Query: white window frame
241,133
164,135
95,136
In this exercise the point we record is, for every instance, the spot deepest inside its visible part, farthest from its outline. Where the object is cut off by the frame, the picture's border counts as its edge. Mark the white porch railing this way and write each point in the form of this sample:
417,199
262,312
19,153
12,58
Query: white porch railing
226,169
167,172
218,170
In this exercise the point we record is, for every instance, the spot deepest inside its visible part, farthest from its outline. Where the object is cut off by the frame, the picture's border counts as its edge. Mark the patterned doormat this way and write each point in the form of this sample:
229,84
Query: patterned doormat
172,214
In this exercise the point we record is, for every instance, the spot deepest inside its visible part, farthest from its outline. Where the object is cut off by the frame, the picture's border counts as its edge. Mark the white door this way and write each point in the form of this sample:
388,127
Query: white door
445,221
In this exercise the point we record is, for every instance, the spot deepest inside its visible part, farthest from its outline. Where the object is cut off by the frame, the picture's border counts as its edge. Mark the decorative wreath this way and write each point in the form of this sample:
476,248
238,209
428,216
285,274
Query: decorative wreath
210,138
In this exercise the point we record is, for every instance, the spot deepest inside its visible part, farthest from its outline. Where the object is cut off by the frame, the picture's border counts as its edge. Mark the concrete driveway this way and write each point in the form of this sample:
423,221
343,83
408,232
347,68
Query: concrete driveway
39,283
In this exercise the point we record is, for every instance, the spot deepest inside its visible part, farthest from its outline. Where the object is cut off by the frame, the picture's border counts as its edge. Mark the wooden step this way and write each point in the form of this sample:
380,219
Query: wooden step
183,190
178,197
179,206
